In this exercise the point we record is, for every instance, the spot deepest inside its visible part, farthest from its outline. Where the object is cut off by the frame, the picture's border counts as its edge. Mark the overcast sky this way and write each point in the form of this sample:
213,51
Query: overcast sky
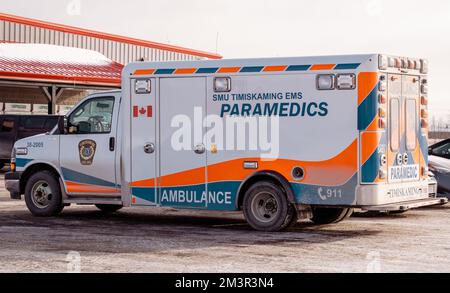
268,28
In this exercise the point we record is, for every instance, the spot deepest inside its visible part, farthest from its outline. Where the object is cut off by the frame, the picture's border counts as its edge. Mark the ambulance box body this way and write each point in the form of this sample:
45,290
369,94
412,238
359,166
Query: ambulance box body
277,138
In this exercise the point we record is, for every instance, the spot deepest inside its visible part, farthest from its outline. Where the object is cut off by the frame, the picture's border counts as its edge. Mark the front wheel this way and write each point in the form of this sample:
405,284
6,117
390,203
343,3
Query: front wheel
266,207
330,215
107,208
43,194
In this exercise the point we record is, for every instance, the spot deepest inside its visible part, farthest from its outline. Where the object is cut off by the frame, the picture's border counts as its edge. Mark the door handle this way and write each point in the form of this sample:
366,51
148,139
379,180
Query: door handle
149,148
112,144
200,149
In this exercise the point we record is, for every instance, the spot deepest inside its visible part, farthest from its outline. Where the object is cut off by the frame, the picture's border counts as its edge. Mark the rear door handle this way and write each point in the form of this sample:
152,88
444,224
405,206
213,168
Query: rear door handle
149,148
112,144
199,149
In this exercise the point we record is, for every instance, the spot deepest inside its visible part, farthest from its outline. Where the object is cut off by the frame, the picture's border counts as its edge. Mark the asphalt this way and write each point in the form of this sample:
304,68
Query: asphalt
167,240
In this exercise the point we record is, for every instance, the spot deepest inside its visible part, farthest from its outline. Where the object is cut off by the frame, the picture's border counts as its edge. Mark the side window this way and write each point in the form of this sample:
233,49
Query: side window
411,124
50,123
7,125
395,124
33,123
93,116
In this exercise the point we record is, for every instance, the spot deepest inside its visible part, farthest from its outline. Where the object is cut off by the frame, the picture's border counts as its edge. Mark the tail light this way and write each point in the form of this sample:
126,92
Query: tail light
424,123
424,114
424,101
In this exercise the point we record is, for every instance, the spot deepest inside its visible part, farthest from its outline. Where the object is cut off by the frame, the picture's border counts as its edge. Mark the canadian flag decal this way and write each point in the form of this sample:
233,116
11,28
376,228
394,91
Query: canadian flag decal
142,111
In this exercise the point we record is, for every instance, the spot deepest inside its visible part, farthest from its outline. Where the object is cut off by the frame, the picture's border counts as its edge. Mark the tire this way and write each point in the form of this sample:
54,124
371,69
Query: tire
267,209
108,208
43,194
330,215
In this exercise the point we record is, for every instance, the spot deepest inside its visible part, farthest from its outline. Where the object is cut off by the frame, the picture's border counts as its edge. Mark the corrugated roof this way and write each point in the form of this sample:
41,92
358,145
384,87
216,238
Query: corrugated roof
106,36
49,63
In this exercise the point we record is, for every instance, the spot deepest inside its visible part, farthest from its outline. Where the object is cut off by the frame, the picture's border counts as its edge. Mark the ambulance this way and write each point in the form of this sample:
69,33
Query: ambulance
280,139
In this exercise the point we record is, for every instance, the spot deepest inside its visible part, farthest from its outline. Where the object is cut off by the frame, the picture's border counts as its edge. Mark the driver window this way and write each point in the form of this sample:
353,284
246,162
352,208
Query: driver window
93,116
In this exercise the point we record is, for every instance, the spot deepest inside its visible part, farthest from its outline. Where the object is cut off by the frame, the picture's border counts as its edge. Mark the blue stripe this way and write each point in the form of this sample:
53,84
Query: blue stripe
298,67
207,70
423,146
369,170
78,177
368,110
317,194
221,196
347,66
20,163
252,69
164,71
144,193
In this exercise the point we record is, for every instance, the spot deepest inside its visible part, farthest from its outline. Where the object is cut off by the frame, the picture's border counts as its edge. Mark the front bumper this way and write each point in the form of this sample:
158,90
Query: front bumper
12,184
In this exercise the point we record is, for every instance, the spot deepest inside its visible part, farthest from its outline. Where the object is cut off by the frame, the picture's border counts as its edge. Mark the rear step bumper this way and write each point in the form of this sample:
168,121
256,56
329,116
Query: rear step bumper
404,206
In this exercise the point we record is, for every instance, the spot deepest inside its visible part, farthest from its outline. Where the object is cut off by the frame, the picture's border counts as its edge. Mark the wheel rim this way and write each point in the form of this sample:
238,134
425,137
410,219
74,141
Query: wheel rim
265,207
41,194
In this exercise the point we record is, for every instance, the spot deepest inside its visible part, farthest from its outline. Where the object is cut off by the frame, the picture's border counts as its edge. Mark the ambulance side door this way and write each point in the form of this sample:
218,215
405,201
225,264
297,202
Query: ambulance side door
88,149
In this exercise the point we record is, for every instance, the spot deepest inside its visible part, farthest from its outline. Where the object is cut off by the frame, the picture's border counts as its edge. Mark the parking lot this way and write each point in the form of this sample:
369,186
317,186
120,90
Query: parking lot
165,240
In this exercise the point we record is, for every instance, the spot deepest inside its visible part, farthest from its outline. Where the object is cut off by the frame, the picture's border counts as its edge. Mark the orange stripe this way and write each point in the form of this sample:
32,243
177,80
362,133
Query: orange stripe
185,71
373,126
229,69
275,68
191,177
322,67
369,144
75,187
144,71
333,172
144,183
367,81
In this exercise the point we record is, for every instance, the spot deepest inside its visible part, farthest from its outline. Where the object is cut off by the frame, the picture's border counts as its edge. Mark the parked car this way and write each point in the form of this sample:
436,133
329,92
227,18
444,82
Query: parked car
439,165
15,127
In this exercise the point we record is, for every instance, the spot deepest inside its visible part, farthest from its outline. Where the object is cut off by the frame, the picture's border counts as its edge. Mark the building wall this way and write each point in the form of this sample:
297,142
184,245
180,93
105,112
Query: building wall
120,52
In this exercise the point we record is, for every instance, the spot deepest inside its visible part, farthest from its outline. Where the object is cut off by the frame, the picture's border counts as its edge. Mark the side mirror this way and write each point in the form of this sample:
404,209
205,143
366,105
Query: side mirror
62,125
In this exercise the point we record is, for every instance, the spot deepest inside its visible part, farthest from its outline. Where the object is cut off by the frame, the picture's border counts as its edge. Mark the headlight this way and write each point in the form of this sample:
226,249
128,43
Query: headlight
22,151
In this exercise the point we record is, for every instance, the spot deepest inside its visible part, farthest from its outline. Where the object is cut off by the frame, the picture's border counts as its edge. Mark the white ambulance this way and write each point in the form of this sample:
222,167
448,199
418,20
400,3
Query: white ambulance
279,139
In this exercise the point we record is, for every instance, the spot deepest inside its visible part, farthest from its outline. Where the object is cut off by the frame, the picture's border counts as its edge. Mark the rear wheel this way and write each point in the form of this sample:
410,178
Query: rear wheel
266,207
330,215
43,194
107,208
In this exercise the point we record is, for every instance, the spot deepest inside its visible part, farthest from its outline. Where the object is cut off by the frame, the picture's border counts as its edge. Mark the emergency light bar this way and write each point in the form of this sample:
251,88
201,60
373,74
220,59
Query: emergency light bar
402,64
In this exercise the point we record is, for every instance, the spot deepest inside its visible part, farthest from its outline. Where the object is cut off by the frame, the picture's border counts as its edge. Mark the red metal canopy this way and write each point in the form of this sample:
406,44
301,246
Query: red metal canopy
56,64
